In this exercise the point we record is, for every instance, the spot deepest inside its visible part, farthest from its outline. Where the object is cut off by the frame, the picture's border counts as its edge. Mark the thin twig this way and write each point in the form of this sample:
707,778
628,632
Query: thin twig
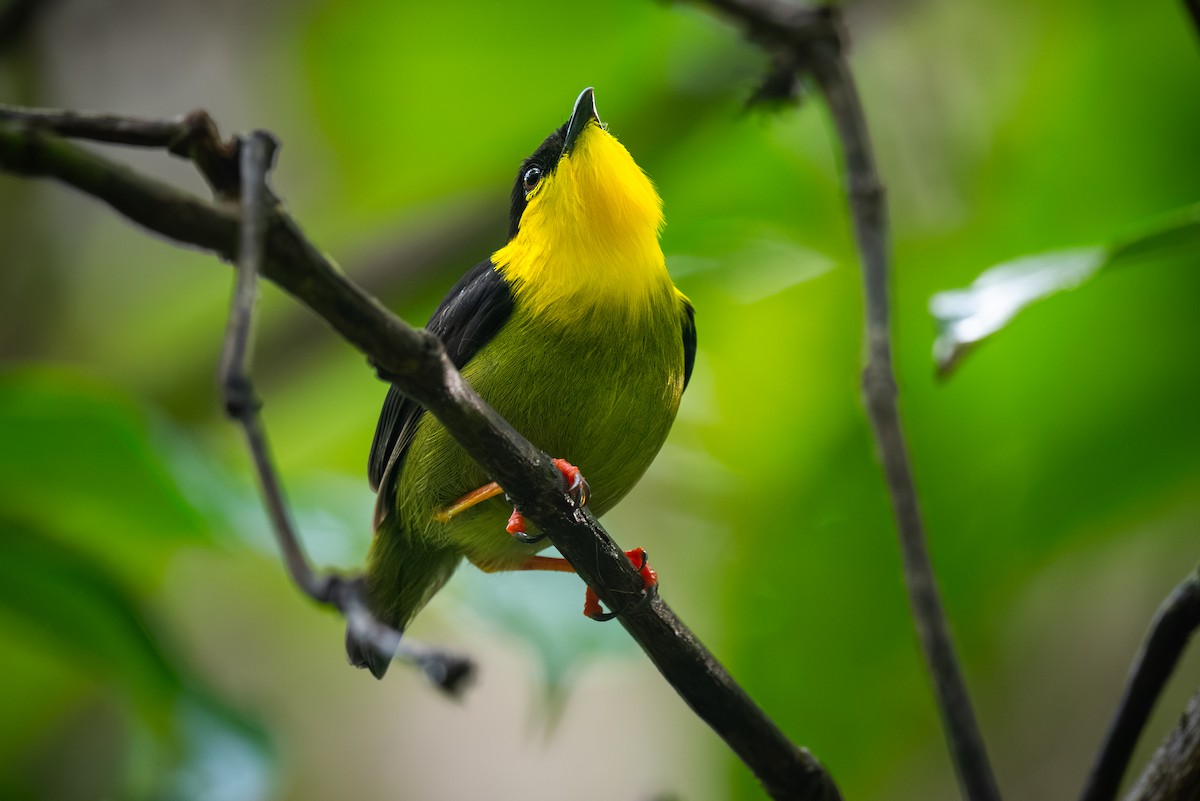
879,390
416,362
447,670
1173,625
241,404
812,40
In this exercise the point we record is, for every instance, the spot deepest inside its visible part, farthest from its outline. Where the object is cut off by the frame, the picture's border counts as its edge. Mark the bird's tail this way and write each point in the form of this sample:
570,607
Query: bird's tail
403,573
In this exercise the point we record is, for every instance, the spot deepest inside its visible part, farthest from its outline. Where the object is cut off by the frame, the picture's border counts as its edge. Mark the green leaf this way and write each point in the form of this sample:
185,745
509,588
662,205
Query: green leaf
185,744
966,317
75,609
82,461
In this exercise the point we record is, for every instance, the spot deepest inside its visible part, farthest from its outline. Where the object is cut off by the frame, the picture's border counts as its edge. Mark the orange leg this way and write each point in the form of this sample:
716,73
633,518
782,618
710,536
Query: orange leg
591,603
472,498
547,563
576,485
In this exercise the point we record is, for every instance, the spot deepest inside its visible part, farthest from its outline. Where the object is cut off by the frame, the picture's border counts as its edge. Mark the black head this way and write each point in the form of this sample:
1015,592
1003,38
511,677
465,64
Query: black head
541,163
546,157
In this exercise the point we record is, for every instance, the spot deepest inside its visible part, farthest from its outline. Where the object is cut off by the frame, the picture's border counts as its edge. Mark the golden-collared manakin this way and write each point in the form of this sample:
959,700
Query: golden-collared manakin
573,332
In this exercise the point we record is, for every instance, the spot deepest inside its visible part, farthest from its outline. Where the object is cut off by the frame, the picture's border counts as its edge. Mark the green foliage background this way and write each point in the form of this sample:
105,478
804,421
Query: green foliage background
151,646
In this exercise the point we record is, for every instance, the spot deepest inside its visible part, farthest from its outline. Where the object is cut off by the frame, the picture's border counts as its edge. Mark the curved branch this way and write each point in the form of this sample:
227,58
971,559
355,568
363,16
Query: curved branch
811,40
415,361
1174,624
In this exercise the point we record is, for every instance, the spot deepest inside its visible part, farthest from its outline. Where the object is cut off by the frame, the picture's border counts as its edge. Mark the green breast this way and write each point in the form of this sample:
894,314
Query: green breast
600,392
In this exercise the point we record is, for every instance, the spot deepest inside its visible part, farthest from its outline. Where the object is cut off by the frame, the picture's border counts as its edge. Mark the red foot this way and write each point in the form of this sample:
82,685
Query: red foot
642,562
576,484
570,472
591,603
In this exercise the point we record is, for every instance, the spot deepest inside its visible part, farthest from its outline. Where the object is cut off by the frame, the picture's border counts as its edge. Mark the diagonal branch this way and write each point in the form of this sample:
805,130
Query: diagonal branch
810,40
1174,771
415,361
1173,625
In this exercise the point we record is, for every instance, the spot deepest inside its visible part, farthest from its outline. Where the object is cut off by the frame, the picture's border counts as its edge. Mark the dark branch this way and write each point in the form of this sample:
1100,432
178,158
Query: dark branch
192,136
123,130
416,362
812,41
879,390
1174,771
16,17
1193,9
1174,624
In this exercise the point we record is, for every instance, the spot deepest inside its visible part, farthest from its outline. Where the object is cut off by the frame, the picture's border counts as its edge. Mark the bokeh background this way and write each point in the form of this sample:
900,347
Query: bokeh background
152,648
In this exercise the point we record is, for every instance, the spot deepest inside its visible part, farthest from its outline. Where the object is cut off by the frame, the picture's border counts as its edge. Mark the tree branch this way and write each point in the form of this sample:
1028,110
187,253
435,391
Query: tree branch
415,361
16,16
810,40
1174,771
191,136
1193,9
1173,625
879,389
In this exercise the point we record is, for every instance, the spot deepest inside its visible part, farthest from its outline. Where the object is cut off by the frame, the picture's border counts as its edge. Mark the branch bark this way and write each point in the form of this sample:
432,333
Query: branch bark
415,361
1174,771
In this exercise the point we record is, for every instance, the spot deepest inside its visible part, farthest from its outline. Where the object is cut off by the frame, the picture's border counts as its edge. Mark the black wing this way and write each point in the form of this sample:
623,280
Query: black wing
689,340
468,317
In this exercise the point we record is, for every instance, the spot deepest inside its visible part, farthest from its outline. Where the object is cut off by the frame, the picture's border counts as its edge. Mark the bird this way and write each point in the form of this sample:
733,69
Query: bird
574,332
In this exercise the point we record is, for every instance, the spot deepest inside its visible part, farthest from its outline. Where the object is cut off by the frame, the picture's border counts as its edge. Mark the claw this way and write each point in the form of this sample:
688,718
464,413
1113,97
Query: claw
577,485
649,576
640,560
516,527
578,488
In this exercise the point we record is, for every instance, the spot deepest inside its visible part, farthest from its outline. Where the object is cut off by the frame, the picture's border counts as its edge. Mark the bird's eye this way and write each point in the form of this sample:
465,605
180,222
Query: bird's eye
531,178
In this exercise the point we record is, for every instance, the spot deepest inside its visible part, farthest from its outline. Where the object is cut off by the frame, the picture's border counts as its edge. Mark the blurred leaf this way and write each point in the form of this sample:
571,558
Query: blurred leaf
79,612
750,262
81,458
331,511
186,744
965,317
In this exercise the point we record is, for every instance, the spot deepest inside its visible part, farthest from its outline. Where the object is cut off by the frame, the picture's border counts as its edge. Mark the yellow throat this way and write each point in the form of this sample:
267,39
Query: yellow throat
588,234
